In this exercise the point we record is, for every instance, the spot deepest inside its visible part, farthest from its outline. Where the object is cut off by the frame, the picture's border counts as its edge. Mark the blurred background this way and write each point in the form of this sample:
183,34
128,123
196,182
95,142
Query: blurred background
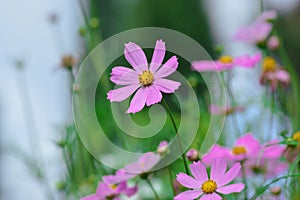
35,91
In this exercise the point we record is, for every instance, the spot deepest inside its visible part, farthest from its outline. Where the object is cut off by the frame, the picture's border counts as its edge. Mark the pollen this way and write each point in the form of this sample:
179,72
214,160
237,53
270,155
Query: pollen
269,64
146,78
226,59
209,186
238,150
113,186
296,136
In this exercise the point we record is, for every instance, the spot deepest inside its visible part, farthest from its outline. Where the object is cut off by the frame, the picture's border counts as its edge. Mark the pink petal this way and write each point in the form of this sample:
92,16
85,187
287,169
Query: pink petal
205,65
212,196
187,181
122,93
248,61
273,150
283,76
158,55
267,15
237,187
199,171
166,86
138,101
218,169
230,175
216,151
130,191
153,95
252,144
168,68
188,195
124,76
149,160
253,33
136,57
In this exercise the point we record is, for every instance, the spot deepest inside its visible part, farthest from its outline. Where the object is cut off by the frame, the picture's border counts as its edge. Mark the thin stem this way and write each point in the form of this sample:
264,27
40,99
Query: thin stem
262,5
264,188
177,135
244,179
152,188
171,180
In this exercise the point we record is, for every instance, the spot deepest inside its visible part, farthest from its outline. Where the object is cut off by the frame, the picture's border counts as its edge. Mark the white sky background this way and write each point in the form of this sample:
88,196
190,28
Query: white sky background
26,33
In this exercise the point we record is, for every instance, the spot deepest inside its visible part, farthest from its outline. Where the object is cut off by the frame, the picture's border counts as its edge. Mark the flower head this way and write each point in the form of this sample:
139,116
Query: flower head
149,82
273,74
258,31
209,187
141,167
226,63
111,191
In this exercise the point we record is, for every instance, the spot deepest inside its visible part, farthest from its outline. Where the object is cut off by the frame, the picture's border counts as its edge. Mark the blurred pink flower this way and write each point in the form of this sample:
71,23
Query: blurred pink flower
273,74
148,81
258,31
257,158
110,191
226,63
143,166
209,187
224,110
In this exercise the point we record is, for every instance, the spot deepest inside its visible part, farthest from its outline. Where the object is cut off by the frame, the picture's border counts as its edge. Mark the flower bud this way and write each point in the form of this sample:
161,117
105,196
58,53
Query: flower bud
273,43
275,191
68,61
162,147
192,155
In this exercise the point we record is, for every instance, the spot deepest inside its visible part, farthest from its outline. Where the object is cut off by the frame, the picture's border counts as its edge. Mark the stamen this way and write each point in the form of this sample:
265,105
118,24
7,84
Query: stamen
237,150
269,64
146,78
209,186
226,59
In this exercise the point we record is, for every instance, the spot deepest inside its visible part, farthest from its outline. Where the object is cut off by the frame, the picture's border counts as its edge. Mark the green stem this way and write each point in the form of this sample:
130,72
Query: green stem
261,5
171,180
264,188
177,135
152,188
244,179
295,83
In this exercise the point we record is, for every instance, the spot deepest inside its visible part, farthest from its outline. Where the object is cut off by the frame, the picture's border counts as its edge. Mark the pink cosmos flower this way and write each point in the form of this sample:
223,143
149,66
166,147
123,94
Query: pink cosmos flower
257,158
148,81
110,191
226,63
258,31
224,110
143,166
209,187
273,43
273,74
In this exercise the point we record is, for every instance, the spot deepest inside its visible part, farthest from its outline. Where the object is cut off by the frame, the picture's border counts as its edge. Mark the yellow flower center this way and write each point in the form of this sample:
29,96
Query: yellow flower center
226,59
237,150
113,186
296,136
146,78
269,64
209,186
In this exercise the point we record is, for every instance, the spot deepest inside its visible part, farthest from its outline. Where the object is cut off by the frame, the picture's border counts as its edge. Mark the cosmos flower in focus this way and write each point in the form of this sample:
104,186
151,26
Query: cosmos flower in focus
110,191
209,187
226,63
139,168
258,31
273,74
149,82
